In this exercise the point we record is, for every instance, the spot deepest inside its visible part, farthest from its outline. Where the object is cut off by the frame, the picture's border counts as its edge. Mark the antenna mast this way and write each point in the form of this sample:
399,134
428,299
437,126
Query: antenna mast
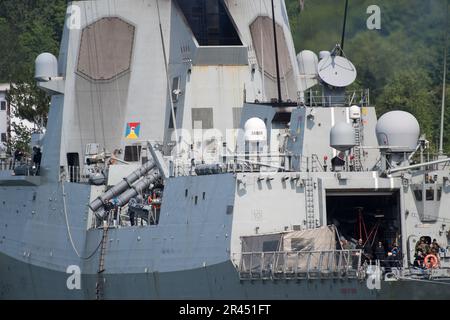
344,26
441,140
276,54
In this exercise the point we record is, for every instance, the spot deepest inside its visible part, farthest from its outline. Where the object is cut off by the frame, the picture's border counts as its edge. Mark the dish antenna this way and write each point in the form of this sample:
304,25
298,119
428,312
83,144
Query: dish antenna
335,70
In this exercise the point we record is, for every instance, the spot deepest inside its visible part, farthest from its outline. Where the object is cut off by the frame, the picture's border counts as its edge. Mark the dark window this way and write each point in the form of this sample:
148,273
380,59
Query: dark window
418,195
430,194
3,137
73,159
132,153
210,22
204,195
186,192
196,199
439,194
283,117
3,105
270,246
73,164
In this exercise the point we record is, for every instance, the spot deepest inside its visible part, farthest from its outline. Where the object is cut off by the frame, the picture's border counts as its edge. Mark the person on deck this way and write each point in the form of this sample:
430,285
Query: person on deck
380,252
37,156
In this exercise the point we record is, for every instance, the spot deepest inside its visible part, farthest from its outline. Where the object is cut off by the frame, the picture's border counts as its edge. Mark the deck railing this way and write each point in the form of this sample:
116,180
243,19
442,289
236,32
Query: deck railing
299,264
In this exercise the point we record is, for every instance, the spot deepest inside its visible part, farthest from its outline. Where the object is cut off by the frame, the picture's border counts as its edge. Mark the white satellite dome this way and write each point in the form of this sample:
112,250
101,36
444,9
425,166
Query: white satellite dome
46,67
398,129
354,112
255,130
307,62
342,136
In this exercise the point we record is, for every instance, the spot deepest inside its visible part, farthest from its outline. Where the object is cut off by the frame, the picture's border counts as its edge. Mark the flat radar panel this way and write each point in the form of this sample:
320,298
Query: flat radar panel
337,71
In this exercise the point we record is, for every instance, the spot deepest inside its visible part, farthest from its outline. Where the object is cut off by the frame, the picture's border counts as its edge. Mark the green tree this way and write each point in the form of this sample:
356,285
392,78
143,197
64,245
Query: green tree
411,91
28,28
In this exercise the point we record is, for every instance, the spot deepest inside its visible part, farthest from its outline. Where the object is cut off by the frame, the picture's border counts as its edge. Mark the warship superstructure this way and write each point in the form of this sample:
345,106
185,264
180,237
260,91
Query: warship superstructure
190,153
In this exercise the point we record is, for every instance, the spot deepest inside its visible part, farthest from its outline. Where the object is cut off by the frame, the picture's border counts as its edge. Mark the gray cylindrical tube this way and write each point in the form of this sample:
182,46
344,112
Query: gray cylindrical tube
137,188
122,186
132,192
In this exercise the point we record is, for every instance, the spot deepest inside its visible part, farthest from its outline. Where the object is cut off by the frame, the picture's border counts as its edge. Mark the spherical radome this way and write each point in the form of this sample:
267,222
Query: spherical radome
398,129
342,136
255,130
46,66
355,112
307,62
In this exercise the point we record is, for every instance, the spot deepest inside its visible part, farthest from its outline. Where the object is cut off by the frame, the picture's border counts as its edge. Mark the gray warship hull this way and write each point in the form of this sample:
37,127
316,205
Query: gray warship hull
145,263
218,215
219,282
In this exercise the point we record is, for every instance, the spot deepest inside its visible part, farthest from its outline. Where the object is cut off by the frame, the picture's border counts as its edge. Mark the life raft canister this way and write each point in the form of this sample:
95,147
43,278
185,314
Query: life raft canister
431,261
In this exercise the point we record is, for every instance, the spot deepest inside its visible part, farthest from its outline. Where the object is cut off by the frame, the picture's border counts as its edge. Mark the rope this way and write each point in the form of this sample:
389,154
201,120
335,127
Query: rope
375,234
374,228
70,233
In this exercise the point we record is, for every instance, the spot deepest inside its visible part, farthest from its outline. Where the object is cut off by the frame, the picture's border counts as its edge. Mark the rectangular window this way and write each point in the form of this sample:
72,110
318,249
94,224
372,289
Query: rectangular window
430,194
3,105
3,137
418,195
132,153
73,166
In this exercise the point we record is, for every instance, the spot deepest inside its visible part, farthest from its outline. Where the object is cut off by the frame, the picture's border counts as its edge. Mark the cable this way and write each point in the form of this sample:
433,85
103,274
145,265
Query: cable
70,233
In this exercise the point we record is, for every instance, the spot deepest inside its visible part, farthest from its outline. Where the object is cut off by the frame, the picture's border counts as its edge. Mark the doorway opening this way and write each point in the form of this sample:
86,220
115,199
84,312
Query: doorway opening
371,216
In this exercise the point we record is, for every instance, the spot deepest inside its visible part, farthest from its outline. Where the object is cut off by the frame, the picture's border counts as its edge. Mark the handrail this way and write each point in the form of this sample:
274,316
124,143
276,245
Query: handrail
317,98
300,264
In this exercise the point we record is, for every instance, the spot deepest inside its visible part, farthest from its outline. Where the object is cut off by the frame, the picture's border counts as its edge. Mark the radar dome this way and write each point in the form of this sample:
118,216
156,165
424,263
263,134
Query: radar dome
342,136
255,130
46,67
307,62
398,129
355,112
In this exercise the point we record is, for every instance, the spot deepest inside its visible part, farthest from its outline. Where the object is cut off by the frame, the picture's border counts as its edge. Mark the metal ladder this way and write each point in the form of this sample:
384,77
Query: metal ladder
310,212
357,149
101,267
